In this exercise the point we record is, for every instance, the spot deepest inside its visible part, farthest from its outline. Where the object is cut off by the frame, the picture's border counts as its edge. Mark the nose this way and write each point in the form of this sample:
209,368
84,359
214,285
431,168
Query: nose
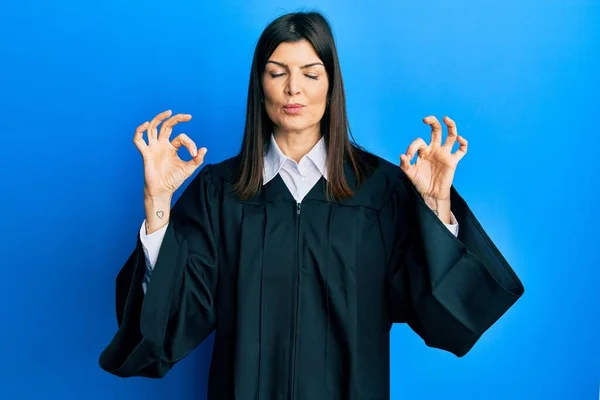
292,87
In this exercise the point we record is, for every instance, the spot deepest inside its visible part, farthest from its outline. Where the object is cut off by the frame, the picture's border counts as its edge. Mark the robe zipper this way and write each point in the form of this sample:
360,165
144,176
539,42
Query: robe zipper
298,210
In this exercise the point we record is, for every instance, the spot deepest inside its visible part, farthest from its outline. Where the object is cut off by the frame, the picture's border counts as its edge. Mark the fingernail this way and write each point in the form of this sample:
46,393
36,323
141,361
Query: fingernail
194,152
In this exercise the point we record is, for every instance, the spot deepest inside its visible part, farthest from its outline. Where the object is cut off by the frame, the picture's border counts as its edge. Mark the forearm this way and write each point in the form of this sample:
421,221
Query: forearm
158,210
441,208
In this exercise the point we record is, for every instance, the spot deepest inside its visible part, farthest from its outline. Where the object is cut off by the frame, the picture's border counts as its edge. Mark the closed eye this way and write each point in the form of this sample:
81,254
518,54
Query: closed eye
308,76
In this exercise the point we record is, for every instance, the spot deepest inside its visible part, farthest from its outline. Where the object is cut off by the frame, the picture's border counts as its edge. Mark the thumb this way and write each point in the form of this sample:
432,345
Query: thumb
196,161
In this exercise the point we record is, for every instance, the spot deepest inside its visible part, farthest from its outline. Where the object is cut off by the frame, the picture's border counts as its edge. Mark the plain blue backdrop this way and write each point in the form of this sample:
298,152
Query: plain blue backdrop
520,78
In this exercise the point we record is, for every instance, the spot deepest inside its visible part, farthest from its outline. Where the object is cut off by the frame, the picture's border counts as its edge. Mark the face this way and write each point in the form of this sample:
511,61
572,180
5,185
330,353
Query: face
295,86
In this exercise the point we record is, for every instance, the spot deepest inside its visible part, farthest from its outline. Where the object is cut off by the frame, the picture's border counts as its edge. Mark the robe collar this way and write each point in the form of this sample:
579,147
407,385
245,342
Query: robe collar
274,159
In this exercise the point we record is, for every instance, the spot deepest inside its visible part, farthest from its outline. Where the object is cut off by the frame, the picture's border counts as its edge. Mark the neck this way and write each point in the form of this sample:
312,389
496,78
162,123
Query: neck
295,144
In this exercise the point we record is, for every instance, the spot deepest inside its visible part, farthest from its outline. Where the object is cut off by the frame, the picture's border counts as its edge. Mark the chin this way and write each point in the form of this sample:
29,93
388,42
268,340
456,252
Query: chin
296,125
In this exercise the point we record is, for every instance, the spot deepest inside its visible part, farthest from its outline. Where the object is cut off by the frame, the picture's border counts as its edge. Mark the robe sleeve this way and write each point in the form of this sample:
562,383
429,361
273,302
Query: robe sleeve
178,311
448,289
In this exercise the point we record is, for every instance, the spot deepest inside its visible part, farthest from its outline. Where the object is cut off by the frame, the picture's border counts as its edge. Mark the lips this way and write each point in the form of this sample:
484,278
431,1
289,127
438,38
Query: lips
293,106
293,109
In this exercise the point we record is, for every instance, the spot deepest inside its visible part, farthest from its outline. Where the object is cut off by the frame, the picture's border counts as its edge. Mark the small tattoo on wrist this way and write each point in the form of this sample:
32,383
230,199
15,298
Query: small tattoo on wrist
160,214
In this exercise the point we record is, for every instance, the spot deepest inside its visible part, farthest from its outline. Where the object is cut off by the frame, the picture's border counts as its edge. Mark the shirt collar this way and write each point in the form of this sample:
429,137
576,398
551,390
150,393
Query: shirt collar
274,159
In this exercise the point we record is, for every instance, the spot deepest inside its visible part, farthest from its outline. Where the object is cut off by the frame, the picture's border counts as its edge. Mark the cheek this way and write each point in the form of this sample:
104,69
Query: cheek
318,94
273,111
271,89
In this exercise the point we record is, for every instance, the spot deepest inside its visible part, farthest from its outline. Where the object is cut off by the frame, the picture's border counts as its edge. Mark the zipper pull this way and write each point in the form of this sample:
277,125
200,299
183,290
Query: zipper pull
298,206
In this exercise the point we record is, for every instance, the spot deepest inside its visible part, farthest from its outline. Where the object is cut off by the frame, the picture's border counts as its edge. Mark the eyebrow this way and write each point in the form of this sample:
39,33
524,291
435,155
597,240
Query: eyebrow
302,67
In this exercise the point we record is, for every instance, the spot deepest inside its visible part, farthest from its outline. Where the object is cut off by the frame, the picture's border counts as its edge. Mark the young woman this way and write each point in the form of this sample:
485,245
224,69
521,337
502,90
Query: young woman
303,250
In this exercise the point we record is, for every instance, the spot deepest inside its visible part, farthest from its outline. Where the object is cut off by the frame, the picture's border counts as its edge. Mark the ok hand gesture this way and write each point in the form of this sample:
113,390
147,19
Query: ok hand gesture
164,171
433,172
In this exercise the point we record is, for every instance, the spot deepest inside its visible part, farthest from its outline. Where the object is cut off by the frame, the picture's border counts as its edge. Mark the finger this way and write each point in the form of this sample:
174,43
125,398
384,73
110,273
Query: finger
417,145
197,161
462,150
138,138
167,126
404,162
452,132
436,130
152,131
184,140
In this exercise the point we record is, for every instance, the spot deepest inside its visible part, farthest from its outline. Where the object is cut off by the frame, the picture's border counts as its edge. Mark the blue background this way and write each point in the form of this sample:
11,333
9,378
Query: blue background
520,78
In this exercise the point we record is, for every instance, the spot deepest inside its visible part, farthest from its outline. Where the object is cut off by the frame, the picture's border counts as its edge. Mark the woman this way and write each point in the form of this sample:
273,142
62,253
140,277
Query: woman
301,251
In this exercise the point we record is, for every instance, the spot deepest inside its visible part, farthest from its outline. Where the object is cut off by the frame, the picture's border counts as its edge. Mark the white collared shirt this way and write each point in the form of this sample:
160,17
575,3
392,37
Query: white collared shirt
298,177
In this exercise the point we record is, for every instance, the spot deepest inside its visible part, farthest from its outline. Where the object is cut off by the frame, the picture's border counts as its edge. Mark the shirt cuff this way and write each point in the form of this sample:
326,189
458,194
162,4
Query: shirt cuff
151,243
453,225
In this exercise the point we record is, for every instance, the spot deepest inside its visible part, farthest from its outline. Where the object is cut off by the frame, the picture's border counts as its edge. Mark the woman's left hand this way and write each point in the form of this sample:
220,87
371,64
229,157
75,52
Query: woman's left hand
433,172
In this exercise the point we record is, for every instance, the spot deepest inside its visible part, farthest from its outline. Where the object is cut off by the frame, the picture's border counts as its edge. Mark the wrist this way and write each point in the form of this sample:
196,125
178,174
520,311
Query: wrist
440,207
157,212
166,198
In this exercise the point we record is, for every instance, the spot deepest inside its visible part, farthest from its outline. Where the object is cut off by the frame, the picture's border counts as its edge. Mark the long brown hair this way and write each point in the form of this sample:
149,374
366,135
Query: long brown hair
313,27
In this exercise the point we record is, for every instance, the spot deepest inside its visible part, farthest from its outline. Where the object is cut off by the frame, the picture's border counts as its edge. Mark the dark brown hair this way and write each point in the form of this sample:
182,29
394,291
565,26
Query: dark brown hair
313,27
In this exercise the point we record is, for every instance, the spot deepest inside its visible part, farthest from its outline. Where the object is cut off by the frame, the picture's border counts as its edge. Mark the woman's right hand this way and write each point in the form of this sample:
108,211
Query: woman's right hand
164,171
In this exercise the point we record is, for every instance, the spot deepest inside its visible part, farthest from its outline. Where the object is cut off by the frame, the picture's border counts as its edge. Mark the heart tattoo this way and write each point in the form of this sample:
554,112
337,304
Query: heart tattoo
160,214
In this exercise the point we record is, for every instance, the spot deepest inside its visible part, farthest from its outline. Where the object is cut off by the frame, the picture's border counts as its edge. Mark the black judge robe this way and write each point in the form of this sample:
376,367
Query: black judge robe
302,297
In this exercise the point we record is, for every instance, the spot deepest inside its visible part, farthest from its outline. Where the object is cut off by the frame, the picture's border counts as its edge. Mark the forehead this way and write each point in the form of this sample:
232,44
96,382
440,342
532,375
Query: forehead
295,53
